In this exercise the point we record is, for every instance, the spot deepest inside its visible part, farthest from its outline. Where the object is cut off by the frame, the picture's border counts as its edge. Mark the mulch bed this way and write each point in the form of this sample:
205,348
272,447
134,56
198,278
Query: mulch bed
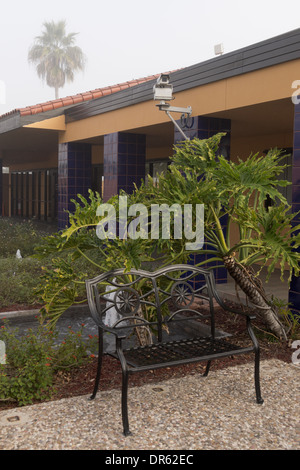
80,381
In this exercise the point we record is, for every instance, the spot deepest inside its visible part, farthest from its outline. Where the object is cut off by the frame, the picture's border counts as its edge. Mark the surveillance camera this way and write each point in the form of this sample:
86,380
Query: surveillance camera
163,89
163,79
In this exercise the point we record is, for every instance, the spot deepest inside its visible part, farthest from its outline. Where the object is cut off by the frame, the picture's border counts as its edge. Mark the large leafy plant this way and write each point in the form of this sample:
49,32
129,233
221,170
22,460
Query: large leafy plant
77,254
233,194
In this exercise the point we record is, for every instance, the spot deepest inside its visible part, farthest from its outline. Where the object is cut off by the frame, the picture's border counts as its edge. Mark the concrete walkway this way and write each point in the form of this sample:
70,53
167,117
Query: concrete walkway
192,413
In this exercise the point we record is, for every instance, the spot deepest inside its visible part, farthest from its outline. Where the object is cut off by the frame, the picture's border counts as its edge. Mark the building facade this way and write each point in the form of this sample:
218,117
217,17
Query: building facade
111,138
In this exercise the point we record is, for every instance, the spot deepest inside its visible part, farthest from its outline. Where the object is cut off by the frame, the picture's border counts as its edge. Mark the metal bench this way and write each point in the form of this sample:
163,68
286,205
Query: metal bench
150,304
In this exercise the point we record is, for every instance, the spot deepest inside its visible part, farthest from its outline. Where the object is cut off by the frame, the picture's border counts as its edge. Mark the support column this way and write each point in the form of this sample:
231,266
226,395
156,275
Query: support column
294,292
74,177
202,127
124,162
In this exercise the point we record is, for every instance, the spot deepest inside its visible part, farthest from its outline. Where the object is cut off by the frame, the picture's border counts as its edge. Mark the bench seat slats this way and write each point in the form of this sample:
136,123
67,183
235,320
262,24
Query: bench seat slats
193,349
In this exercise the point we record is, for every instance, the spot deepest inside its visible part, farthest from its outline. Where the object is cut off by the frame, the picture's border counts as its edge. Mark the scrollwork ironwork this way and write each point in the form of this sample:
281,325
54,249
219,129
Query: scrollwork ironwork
127,301
182,294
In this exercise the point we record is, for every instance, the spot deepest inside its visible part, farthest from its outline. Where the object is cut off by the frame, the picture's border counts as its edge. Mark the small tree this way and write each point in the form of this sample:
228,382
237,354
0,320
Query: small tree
55,55
235,193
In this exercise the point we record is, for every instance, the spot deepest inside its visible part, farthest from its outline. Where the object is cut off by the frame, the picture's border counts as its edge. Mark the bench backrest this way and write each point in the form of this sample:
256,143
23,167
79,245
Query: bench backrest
125,300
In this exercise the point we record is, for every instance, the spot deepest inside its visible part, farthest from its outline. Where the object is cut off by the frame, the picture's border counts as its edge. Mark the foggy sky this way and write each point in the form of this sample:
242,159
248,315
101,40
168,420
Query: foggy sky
127,39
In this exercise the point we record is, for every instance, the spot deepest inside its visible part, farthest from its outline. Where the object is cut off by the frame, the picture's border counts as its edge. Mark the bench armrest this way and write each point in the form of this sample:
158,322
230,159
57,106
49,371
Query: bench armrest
118,332
222,304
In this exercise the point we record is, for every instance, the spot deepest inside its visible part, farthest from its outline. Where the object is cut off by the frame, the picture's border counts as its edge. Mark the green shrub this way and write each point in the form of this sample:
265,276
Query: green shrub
21,235
18,280
33,359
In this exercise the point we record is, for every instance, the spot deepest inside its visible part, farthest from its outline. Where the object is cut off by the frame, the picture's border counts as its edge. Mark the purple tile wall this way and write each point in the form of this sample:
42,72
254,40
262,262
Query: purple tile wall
294,293
124,162
74,177
202,127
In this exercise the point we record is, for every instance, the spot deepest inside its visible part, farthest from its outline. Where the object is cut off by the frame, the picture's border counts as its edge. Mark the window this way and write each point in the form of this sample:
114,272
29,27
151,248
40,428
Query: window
154,168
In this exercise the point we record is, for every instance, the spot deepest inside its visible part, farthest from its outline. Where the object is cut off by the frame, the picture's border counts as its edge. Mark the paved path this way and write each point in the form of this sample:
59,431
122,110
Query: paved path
191,413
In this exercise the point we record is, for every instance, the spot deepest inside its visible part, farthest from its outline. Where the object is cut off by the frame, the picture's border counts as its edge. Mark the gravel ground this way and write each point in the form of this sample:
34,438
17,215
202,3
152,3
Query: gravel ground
188,413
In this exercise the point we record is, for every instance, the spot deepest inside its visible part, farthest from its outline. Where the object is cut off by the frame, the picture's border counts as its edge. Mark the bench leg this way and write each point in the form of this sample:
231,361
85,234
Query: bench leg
259,399
207,369
124,403
100,355
125,375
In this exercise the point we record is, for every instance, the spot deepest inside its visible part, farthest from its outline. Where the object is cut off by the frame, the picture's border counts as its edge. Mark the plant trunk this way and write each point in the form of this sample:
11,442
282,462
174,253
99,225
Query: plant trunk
143,333
255,295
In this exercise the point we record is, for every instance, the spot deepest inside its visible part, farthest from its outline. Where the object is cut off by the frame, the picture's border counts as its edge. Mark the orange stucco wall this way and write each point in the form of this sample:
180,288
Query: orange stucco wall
236,92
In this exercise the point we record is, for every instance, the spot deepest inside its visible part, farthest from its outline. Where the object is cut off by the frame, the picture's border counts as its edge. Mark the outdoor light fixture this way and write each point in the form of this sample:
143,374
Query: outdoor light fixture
163,91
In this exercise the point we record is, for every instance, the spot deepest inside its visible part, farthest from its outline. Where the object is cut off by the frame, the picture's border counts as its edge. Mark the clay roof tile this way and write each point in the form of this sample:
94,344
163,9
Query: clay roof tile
80,97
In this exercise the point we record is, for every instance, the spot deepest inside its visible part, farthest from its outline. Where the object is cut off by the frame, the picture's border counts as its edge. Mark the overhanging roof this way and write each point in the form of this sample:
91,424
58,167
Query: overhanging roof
274,51
51,109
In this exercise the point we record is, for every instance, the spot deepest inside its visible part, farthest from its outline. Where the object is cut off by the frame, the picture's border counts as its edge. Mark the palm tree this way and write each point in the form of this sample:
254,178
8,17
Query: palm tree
55,55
